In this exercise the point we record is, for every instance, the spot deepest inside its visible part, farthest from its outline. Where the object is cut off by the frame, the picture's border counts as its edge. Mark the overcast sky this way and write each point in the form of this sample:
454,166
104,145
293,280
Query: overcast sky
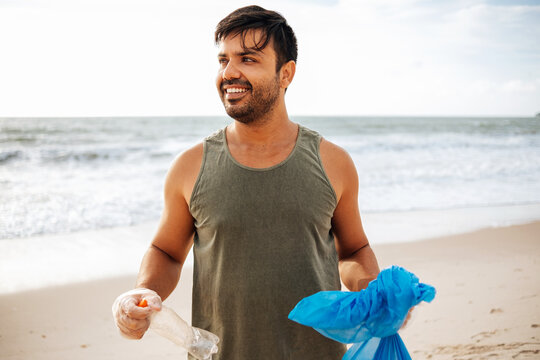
380,57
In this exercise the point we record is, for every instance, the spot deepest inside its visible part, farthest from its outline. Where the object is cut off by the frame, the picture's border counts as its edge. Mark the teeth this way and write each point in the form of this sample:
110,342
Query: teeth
236,90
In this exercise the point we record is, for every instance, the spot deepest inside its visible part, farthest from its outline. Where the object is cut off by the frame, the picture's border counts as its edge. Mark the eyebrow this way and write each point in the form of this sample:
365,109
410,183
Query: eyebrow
243,53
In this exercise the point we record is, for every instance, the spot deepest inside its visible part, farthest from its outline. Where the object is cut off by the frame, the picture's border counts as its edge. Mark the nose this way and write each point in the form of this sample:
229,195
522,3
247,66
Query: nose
230,72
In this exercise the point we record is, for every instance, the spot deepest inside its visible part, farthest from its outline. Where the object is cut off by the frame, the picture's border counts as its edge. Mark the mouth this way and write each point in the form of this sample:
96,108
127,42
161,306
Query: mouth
235,93
234,90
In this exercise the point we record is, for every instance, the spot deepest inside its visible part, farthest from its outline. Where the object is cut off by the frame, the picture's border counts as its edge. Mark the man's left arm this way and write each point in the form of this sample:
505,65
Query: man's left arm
357,262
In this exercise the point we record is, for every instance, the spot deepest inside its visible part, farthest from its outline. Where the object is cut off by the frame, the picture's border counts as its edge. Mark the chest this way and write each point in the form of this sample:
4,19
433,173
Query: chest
260,157
237,198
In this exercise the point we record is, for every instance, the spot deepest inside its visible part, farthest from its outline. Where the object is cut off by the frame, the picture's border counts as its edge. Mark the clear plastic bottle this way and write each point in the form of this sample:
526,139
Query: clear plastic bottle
198,342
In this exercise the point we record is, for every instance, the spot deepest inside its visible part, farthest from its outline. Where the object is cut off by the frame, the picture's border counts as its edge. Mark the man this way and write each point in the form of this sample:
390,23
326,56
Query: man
269,207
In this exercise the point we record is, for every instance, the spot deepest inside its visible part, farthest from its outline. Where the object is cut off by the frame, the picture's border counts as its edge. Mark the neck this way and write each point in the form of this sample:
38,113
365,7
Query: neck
274,127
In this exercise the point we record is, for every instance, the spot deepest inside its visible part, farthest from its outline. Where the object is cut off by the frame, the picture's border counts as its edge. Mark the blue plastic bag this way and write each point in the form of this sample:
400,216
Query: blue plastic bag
369,319
390,347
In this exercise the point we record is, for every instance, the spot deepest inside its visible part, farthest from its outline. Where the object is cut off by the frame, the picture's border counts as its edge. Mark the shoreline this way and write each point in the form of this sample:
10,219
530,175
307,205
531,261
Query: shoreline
41,261
486,304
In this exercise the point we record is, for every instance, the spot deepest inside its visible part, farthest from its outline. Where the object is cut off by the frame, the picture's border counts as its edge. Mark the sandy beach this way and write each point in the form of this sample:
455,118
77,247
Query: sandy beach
487,305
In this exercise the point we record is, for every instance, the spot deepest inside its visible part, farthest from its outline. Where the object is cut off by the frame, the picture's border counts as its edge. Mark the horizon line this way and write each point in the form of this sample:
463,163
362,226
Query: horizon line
291,115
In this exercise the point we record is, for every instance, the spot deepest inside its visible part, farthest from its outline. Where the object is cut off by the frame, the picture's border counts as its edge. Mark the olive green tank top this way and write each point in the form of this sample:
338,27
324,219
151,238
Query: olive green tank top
263,242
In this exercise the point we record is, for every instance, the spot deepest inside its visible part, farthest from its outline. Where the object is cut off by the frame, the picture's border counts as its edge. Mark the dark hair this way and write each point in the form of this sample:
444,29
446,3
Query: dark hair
273,26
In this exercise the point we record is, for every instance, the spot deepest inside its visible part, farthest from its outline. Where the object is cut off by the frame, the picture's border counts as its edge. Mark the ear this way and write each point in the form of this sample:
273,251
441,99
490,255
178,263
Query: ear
286,74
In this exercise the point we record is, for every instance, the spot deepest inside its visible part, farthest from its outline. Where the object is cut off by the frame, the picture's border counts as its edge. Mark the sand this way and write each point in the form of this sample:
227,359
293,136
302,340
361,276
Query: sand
487,305
488,294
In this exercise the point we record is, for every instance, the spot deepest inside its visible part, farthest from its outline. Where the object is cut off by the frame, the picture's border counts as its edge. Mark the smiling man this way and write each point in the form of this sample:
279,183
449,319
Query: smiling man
269,207
244,65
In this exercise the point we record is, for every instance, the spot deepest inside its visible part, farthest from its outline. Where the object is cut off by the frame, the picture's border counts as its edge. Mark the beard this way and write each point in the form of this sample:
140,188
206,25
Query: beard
261,100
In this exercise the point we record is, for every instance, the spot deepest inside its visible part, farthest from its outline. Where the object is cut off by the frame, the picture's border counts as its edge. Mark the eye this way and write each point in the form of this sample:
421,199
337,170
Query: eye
222,61
248,59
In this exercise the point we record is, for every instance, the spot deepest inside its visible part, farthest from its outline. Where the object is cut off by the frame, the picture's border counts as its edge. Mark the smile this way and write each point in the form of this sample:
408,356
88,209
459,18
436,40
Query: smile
234,94
236,90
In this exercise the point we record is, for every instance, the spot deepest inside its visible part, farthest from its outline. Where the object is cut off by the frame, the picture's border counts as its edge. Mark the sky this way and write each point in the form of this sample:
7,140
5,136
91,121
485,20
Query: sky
379,57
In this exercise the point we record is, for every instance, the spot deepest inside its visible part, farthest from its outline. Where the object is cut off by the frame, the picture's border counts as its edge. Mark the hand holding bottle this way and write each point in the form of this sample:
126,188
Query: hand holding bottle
132,320
198,342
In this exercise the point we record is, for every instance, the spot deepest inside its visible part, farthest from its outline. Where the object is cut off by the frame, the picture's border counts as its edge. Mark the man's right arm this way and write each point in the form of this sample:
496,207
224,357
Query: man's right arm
162,264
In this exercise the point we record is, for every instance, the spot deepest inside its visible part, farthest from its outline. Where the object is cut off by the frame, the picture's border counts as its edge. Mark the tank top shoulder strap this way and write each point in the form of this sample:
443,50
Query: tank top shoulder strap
309,140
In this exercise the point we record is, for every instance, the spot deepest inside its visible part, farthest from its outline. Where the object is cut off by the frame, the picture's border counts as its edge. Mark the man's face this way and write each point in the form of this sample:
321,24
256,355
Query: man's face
247,81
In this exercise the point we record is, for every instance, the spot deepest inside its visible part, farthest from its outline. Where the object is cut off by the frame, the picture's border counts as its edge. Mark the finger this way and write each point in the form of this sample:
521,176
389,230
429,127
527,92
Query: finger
134,324
130,308
407,319
132,328
154,302
131,333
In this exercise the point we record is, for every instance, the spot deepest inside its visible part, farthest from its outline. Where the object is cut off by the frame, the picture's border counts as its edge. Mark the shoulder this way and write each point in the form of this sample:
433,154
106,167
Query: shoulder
339,167
184,170
329,149
188,159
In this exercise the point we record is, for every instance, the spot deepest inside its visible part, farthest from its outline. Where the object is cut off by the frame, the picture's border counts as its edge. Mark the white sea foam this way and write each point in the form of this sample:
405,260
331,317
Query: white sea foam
62,180
65,175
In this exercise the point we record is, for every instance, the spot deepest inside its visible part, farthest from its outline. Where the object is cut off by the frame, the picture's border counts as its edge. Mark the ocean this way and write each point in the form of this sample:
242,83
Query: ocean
63,175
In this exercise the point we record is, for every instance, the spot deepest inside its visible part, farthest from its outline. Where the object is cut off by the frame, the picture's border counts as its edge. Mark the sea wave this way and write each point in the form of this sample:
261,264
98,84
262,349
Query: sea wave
7,156
65,155
63,175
